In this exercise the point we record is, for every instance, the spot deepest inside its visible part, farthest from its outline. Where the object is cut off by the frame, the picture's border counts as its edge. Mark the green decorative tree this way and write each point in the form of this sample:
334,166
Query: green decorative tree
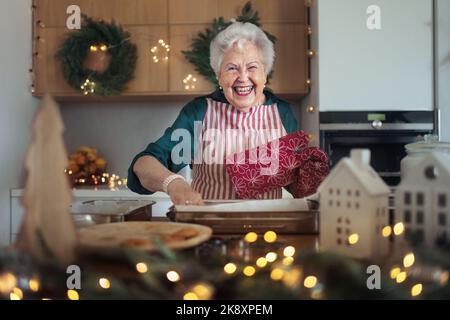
199,55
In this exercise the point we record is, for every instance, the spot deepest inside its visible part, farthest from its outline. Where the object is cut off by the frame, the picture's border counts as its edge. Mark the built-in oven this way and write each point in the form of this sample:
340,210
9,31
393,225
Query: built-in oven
384,133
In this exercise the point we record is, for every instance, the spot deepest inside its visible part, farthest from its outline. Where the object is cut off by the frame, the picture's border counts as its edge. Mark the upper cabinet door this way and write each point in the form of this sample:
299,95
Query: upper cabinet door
290,69
177,23
375,58
182,73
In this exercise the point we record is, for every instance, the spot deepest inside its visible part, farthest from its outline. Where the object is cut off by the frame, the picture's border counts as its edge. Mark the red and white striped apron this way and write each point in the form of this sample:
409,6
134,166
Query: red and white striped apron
226,131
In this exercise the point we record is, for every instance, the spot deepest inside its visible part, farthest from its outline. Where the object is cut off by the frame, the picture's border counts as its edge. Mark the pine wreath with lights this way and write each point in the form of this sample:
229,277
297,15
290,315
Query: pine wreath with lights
98,58
199,54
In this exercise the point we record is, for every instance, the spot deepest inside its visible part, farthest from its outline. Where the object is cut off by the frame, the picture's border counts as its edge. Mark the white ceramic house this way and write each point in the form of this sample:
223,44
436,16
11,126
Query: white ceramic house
422,201
354,206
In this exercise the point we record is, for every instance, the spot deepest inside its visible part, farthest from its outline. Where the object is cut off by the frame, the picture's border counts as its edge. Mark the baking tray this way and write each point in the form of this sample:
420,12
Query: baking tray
236,222
91,212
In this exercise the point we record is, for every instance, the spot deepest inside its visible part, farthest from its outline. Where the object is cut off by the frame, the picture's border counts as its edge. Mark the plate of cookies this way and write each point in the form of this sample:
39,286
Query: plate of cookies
142,235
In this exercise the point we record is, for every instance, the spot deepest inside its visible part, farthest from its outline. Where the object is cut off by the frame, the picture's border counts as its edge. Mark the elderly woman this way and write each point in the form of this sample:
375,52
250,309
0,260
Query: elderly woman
238,116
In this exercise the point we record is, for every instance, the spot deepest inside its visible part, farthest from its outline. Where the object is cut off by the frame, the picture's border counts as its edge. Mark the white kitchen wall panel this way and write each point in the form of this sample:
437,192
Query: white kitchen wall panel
443,66
386,69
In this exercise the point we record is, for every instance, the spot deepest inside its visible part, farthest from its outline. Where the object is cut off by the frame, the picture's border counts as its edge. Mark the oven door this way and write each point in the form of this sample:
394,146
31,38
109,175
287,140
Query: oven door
387,148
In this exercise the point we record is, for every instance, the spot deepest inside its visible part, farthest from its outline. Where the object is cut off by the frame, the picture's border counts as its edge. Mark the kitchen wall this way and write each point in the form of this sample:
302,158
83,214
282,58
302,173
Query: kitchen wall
17,107
443,66
117,130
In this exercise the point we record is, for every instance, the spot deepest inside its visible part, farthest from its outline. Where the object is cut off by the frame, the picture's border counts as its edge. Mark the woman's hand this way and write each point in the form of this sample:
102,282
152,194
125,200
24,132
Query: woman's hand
181,193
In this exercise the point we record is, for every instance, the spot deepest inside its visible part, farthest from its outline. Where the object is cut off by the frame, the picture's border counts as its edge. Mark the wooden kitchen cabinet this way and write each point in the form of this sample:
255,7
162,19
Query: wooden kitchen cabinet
148,76
48,74
270,11
176,22
180,39
192,11
290,74
126,12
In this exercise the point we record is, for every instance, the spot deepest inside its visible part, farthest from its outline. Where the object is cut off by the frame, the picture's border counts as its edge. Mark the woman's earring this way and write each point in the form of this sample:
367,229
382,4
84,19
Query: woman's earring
220,88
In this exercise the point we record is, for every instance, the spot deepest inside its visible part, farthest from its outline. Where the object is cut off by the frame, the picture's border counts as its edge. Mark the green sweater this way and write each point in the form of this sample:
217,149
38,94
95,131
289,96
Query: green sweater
191,112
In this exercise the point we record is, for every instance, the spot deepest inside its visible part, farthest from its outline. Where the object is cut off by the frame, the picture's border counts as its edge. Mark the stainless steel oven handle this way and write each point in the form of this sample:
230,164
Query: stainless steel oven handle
368,126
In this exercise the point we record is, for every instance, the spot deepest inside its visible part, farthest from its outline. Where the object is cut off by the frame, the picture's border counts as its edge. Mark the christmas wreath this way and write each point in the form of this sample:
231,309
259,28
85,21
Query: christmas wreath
199,55
98,58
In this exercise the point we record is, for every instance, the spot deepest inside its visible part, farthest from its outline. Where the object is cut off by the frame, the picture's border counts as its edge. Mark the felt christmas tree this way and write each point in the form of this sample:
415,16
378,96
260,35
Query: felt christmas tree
47,230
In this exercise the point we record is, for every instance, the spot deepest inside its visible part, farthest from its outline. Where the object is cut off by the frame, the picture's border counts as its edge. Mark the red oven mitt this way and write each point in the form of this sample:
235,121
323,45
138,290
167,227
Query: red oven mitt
287,161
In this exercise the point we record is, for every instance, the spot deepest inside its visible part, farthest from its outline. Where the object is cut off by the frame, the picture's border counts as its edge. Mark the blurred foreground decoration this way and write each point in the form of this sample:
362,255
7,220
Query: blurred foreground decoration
47,229
279,272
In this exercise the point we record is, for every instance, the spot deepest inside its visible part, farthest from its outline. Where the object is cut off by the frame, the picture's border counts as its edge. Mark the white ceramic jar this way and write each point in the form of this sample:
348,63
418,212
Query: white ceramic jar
415,151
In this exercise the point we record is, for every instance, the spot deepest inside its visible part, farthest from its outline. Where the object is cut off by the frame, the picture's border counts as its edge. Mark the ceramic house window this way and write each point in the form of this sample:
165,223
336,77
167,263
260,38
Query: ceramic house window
418,236
339,231
419,217
442,219
407,199
357,193
407,216
441,239
419,199
442,200
431,172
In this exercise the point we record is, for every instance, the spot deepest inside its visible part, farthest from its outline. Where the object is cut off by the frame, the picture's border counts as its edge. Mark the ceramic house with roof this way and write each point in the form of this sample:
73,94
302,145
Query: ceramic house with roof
354,208
422,201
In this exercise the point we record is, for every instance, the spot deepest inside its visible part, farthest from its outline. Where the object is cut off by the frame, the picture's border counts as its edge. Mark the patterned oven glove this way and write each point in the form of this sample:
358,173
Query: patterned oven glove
285,162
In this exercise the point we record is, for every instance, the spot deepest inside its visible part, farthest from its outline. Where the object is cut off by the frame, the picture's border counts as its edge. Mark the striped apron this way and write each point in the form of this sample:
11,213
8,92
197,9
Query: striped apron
226,131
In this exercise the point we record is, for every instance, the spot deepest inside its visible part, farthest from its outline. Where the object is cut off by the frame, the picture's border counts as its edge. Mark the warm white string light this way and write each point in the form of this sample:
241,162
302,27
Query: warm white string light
160,51
189,82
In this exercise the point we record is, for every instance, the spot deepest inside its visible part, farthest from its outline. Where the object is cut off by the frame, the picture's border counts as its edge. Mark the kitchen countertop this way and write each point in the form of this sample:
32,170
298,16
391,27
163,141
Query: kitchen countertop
159,209
103,192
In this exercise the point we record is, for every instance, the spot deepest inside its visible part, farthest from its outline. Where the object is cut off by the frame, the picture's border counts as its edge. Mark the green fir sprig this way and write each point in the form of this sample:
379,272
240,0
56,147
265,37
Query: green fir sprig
199,53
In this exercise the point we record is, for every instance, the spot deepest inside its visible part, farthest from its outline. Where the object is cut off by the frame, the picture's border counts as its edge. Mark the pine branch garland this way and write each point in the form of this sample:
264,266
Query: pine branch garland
199,53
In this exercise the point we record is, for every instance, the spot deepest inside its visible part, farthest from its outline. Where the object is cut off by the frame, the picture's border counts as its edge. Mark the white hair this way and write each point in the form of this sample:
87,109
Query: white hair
240,33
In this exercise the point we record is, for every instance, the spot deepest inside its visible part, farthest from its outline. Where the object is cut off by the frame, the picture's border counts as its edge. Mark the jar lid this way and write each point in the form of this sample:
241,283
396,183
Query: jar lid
429,143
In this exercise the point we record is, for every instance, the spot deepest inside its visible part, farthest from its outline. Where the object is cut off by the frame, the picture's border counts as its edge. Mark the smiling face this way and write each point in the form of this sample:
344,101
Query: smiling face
242,76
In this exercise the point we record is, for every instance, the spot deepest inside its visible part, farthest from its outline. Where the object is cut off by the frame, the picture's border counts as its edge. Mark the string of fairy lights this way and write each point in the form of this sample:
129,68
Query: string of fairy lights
282,267
113,181
160,53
